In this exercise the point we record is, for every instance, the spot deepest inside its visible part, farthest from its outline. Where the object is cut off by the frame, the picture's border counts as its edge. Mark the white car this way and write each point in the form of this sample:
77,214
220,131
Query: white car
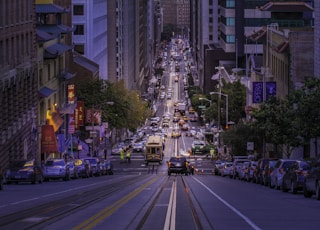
137,147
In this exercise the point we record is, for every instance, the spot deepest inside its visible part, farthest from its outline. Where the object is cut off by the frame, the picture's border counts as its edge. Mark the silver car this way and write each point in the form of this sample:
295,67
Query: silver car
56,169
276,176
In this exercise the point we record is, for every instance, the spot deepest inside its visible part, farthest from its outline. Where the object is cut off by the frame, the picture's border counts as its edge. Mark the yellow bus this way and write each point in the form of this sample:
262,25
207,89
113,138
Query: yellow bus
154,149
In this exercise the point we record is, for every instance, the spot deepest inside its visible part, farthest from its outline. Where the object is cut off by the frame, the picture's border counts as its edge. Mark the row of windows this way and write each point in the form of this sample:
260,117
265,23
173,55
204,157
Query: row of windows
14,50
228,3
228,21
15,12
228,38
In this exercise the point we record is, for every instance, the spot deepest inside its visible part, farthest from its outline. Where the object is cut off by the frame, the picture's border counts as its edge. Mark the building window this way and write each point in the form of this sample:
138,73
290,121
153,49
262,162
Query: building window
230,4
78,10
230,39
230,21
79,30
79,48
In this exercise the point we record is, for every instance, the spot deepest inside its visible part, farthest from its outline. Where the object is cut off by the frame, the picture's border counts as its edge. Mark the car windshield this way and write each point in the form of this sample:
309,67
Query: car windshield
54,163
175,159
19,164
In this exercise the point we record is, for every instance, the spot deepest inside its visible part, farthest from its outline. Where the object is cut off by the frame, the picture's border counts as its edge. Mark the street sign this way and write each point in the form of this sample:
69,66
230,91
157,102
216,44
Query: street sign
202,107
250,146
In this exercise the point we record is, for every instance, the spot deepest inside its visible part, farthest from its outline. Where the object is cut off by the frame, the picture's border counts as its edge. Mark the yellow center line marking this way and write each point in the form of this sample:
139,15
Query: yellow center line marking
100,216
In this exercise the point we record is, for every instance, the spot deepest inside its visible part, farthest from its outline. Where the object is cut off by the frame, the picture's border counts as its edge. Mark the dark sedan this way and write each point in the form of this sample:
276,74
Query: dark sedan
24,171
294,177
178,165
312,182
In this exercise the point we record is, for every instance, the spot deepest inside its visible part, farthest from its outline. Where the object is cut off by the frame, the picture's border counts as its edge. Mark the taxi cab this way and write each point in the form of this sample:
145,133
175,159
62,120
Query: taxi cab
176,133
191,110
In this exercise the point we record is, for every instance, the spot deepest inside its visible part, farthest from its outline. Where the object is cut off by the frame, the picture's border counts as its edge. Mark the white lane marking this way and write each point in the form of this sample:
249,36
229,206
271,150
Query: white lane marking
171,211
245,218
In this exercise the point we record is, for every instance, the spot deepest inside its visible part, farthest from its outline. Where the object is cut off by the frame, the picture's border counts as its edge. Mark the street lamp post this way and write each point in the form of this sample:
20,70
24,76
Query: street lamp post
205,99
219,68
227,106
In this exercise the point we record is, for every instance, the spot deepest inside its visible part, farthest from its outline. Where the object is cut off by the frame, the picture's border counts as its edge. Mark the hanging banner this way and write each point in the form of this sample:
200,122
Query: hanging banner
79,115
93,116
71,125
48,140
271,89
71,94
257,92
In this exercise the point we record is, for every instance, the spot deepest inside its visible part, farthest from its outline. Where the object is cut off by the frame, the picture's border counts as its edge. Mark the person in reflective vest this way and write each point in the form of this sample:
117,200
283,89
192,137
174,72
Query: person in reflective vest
122,155
128,156
212,153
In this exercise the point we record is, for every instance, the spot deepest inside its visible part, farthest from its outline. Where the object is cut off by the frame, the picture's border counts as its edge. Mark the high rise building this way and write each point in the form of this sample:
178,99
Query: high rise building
18,81
129,41
89,19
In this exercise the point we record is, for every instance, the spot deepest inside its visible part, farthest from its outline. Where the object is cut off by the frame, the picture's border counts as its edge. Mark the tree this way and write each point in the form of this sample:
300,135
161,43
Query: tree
307,107
128,110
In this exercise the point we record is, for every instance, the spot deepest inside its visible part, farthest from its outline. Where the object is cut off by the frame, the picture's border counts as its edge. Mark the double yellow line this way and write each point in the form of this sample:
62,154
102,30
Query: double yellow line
103,214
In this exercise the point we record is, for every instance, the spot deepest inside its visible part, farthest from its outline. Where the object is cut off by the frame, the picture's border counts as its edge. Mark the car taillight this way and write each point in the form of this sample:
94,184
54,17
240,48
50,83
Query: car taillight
299,172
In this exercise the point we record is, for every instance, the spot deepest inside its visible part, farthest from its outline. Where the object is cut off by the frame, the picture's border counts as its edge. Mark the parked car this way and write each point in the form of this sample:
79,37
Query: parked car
73,170
243,172
218,166
312,181
24,171
108,167
250,171
56,169
276,177
257,176
1,178
178,165
294,177
225,171
95,167
237,167
267,172
83,167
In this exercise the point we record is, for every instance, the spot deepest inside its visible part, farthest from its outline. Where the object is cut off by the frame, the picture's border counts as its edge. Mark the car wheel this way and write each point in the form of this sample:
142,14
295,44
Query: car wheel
41,179
293,188
67,177
271,185
34,181
318,191
306,193
283,188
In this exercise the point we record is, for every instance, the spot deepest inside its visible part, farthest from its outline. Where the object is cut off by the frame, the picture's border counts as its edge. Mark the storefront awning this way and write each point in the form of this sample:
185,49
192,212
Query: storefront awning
56,50
67,75
46,92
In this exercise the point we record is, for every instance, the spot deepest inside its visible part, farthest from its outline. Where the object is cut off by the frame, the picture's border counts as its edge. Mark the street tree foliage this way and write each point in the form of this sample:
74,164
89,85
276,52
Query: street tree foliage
236,103
292,121
237,136
128,110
